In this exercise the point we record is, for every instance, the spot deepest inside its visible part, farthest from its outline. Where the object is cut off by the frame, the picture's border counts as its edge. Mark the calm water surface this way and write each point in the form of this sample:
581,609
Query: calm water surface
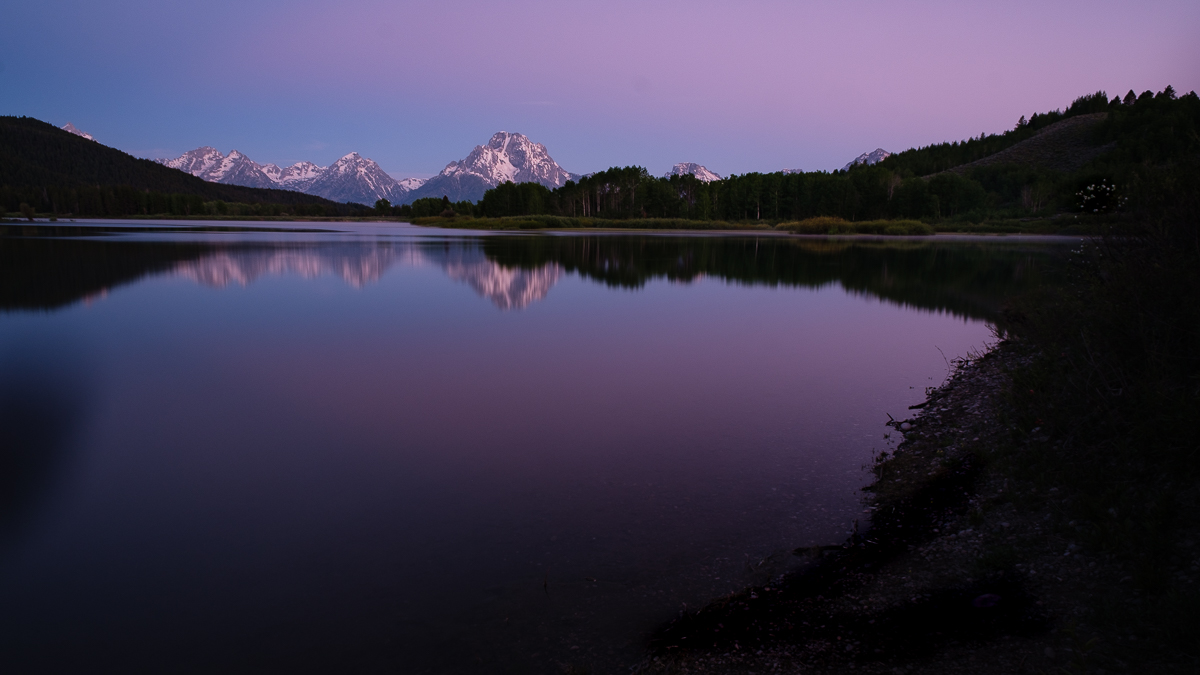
394,450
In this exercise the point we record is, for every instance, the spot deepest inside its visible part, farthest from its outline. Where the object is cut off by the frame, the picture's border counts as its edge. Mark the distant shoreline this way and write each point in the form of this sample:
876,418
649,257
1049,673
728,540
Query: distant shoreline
764,231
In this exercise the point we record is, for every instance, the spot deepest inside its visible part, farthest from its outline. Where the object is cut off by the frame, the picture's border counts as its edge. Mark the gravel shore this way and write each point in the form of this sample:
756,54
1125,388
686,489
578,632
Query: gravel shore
964,568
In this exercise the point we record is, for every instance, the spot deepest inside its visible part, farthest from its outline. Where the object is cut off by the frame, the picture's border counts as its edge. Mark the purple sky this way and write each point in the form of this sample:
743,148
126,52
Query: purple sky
752,86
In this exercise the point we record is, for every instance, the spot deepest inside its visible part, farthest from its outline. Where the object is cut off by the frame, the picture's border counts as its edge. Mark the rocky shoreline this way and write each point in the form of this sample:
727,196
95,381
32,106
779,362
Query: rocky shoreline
964,568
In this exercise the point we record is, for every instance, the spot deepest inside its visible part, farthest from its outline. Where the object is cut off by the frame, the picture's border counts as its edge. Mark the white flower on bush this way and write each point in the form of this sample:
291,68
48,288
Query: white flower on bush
1100,197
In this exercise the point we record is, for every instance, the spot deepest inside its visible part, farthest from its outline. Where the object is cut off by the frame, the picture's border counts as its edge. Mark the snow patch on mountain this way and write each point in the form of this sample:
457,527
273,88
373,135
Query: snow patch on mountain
411,184
72,129
868,158
691,168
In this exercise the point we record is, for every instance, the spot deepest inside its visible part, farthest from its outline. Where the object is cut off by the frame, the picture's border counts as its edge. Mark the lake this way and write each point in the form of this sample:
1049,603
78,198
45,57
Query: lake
387,449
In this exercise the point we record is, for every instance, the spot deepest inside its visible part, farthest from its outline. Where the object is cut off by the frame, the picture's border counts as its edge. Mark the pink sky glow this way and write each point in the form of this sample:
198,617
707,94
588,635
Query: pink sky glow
756,86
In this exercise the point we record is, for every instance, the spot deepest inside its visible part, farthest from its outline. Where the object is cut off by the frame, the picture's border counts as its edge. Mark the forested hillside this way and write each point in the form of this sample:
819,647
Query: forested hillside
1041,166
52,171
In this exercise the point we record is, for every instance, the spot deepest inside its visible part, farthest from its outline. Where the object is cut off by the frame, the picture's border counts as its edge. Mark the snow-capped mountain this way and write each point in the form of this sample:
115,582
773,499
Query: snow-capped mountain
294,177
506,157
700,172
198,162
352,178
234,169
355,178
72,129
411,184
869,158
238,169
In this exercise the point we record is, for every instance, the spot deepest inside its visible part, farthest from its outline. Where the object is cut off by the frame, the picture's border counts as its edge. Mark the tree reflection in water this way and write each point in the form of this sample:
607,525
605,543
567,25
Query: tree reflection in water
971,280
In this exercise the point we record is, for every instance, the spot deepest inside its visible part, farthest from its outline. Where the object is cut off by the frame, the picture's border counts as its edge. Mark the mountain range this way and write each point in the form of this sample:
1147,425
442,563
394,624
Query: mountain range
354,178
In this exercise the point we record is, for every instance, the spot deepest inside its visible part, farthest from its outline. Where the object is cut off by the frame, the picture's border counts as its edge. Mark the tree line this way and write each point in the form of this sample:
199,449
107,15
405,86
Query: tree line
122,200
915,184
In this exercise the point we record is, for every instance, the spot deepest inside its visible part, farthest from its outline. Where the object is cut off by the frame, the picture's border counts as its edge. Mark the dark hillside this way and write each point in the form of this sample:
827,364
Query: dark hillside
1066,145
38,159
943,156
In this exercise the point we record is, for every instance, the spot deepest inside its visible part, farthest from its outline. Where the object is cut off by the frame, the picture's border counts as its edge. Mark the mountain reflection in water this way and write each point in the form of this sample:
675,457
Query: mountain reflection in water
967,280
507,287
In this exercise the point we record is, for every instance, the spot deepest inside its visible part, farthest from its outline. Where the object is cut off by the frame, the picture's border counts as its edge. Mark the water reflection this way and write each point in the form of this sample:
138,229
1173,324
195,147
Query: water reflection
44,392
967,280
356,265
306,477
507,286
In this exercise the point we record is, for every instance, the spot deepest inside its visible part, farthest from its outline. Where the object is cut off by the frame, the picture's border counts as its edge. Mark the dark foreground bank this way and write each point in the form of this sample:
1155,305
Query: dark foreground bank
1042,513
967,567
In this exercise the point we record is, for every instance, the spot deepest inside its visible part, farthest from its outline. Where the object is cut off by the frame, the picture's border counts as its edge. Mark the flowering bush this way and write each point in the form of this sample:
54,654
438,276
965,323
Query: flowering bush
1100,197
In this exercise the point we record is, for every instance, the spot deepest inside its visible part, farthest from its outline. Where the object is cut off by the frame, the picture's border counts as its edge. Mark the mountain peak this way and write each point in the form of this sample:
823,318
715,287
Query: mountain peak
691,168
72,129
355,178
868,158
508,156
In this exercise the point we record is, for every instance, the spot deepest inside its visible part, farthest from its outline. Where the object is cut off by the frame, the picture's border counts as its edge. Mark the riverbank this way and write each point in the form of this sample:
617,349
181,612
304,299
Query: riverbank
966,567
